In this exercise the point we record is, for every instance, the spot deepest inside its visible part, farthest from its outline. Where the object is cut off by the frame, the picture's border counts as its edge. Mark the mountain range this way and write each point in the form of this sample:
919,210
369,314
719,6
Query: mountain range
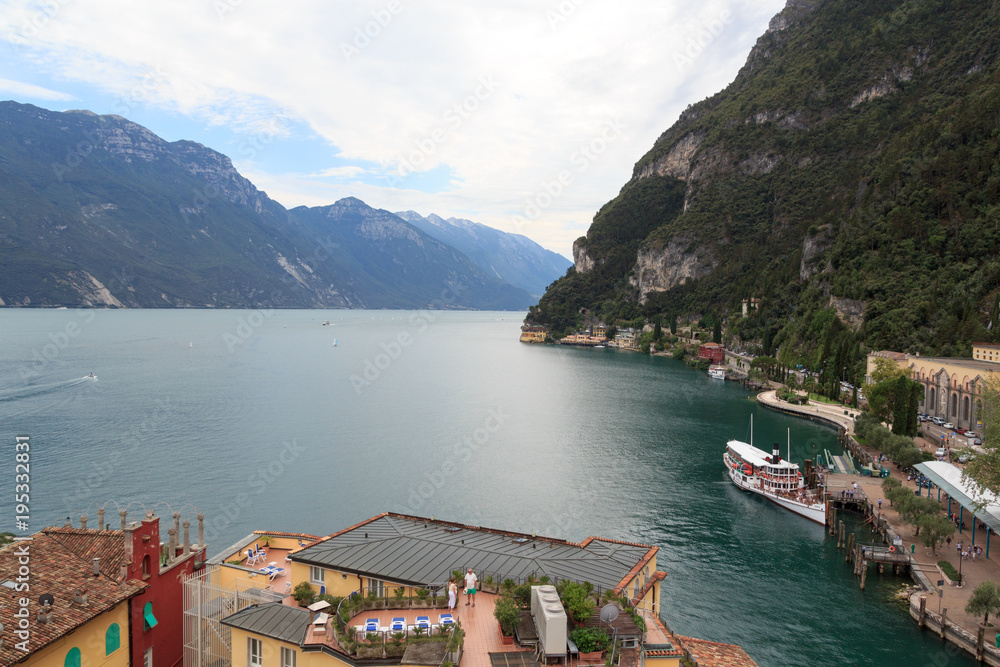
99,211
848,178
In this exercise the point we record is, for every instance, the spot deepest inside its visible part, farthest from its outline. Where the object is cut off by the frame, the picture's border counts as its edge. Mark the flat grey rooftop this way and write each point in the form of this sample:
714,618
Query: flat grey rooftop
416,551
277,621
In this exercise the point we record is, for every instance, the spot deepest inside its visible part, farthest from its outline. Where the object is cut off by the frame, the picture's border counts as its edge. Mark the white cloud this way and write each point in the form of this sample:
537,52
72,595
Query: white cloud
30,91
503,94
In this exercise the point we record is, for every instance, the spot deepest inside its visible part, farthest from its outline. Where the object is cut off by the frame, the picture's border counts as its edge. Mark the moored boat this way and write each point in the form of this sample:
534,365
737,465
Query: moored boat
777,479
717,372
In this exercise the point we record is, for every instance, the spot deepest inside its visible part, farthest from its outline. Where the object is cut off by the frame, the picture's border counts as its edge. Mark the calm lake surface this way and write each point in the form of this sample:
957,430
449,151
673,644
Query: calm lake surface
261,422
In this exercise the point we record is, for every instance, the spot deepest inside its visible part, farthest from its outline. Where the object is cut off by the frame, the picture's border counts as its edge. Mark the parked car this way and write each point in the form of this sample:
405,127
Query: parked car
940,452
977,441
937,420
970,434
960,430
965,458
948,426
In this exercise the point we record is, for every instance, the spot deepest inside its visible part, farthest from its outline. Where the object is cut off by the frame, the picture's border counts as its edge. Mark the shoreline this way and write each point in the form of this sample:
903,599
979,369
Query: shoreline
975,640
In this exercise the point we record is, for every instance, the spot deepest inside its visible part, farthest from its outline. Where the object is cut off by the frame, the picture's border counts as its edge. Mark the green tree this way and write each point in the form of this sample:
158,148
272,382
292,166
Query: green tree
985,600
657,331
935,529
916,509
717,332
673,324
984,470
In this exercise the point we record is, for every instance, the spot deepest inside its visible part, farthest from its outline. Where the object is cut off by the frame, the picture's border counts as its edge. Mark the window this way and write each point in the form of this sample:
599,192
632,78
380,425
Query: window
316,575
112,639
147,657
377,587
145,566
72,658
287,657
255,652
148,620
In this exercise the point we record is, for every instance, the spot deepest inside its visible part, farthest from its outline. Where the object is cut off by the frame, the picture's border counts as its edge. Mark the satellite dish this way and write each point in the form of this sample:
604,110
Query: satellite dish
609,612
46,599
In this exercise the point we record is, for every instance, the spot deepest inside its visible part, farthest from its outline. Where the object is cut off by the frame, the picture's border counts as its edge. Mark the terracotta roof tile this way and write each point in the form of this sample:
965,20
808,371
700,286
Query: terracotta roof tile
714,654
108,545
55,569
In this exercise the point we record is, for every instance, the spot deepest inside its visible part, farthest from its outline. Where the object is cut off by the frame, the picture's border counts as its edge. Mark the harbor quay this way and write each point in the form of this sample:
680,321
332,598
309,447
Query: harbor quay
886,540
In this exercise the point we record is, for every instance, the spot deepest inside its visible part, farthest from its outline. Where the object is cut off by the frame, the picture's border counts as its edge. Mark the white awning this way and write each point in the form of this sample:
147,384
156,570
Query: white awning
949,478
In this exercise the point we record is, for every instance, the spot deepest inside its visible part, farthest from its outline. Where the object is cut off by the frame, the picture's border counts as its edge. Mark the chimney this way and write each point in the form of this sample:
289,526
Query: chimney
775,454
100,519
97,566
187,539
123,514
44,613
177,534
201,530
69,523
80,597
83,522
172,543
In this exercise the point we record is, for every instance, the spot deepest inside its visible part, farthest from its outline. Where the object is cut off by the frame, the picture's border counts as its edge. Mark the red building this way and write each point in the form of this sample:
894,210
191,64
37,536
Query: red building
134,553
714,352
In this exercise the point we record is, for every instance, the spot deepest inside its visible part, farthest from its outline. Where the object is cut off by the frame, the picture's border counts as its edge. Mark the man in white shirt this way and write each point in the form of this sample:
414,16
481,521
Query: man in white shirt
470,587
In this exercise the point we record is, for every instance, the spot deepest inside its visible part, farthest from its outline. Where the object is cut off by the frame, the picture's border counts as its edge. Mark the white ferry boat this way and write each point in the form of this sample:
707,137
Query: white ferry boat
775,478
717,372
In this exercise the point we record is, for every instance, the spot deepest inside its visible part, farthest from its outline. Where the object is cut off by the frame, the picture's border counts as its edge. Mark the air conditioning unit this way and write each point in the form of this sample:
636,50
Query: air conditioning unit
550,620
547,592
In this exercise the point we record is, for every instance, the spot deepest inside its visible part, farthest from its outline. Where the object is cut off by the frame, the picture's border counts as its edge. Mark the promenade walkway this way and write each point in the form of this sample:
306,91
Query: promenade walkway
974,572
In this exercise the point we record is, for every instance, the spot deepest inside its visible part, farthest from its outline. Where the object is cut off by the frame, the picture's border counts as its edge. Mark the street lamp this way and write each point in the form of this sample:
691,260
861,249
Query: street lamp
960,568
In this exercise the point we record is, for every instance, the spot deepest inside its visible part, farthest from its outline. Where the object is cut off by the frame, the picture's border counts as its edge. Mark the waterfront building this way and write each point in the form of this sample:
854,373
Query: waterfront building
953,386
533,334
626,339
116,594
396,568
714,352
599,331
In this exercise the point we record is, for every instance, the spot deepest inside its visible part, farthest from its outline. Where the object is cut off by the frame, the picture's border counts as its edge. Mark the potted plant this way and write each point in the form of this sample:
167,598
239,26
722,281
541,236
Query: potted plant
398,594
422,595
506,612
591,643
304,594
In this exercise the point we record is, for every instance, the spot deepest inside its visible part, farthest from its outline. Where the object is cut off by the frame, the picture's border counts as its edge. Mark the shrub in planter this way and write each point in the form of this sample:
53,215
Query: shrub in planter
590,640
304,594
506,612
369,652
577,600
395,650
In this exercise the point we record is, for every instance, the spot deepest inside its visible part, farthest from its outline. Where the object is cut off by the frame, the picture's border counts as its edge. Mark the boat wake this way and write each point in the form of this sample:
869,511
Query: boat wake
32,391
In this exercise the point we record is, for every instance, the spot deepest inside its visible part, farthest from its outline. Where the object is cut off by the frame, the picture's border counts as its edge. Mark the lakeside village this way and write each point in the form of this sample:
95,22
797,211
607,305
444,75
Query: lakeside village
391,590
907,445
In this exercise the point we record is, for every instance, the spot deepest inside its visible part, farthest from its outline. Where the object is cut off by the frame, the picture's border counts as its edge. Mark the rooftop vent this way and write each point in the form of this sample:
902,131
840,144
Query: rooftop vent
521,540
452,529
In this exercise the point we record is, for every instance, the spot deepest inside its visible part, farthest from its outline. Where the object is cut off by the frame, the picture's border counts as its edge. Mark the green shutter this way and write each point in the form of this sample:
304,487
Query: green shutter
147,615
112,639
72,658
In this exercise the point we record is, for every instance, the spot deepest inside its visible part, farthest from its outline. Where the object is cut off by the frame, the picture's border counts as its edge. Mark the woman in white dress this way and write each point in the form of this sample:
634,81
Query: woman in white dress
452,594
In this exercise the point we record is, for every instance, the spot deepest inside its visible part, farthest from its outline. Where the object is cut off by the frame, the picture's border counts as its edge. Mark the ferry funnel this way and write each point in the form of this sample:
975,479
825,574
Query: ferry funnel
776,453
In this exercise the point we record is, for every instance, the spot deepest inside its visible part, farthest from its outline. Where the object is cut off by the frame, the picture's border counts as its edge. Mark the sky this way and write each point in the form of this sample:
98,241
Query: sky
525,115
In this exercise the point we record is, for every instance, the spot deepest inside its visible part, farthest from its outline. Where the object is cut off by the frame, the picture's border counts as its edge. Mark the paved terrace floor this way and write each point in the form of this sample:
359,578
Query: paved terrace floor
974,572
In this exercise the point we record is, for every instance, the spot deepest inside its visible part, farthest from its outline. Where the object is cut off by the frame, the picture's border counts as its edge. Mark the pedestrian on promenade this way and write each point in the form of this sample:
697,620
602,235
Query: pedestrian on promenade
948,540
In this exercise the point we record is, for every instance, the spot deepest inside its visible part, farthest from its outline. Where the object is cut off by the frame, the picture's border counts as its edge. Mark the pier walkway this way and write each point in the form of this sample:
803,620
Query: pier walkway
884,520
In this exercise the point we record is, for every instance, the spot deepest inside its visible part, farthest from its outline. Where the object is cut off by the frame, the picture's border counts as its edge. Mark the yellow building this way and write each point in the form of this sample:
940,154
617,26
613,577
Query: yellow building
953,386
530,334
392,566
85,624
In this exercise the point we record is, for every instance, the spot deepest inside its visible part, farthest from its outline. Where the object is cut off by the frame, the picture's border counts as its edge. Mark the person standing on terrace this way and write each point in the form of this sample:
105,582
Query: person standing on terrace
470,587
452,594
